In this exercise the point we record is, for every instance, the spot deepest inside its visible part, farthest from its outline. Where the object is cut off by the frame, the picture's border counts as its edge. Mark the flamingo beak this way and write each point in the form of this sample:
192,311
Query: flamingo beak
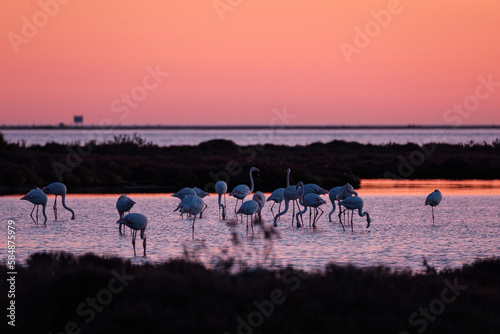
24,197
368,221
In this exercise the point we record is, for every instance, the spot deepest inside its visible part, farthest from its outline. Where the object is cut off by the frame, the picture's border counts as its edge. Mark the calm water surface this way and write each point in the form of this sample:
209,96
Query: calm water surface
289,137
467,227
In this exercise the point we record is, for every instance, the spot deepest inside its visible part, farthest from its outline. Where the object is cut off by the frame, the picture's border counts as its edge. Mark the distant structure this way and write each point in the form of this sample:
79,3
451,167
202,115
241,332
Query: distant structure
78,120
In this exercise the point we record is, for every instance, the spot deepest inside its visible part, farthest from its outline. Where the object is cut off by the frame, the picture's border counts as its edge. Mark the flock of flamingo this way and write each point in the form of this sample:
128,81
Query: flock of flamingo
192,204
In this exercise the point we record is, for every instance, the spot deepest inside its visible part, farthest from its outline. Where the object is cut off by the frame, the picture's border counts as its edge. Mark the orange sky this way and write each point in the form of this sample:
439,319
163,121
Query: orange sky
87,56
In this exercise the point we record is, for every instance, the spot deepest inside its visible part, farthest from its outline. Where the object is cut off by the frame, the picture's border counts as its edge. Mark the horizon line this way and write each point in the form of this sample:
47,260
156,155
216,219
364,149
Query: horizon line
240,127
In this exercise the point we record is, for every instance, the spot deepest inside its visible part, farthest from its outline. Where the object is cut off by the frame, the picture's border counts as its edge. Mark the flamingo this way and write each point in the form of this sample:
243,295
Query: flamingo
278,195
261,199
289,194
249,208
123,204
58,188
241,191
310,200
192,205
37,197
181,194
333,197
312,188
184,192
136,221
221,189
345,191
355,203
433,200
200,193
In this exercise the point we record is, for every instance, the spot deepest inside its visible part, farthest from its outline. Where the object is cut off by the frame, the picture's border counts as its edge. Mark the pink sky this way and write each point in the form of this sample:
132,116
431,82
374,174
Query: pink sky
86,56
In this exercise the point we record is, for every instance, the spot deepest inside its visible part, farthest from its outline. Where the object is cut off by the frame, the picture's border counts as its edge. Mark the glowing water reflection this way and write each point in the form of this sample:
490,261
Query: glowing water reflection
467,227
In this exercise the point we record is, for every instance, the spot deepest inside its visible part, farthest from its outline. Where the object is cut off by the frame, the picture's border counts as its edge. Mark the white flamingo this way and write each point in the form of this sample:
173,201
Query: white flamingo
192,205
58,188
333,197
310,200
355,203
181,194
137,222
37,197
123,204
241,191
289,194
433,199
278,195
249,208
345,191
261,199
221,189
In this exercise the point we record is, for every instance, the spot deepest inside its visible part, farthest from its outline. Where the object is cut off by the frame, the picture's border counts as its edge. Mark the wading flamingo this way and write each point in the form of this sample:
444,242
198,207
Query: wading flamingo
137,222
249,208
192,205
241,191
310,200
58,188
355,203
278,195
345,191
333,197
221,189
37,197
261,199
123,204
433,200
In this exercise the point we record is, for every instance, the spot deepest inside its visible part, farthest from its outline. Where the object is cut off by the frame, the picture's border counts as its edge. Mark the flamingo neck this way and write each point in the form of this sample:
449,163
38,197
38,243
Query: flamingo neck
251,181
66,207
288,178
285,210
43,212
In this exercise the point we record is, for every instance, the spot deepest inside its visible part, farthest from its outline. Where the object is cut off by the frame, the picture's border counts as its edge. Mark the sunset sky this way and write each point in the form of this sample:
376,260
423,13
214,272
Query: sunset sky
235,61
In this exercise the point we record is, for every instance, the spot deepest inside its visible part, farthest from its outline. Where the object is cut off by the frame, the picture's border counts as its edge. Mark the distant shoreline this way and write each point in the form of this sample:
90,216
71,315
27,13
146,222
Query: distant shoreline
244,127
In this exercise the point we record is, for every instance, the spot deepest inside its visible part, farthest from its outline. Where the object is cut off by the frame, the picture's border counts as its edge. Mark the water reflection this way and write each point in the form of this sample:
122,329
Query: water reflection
401,234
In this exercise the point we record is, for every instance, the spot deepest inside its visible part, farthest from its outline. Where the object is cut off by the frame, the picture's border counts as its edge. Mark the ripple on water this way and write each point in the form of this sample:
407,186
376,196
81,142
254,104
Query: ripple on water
400,236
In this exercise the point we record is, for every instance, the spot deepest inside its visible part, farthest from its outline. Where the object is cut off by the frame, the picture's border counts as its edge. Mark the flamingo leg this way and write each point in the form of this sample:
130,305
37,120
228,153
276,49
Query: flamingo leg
314,225
293,211
272,209
55,207
144,245
310,214
341,223
134,233
201,213
432,208
31,215
352,215
193,226
279,209
235,211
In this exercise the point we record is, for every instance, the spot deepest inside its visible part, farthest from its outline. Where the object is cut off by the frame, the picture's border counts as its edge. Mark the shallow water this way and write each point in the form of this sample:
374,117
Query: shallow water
401,234
288,137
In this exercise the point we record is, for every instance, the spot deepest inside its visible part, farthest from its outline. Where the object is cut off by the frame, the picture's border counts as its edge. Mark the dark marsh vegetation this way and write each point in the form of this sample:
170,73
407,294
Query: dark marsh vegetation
110,295
129,163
